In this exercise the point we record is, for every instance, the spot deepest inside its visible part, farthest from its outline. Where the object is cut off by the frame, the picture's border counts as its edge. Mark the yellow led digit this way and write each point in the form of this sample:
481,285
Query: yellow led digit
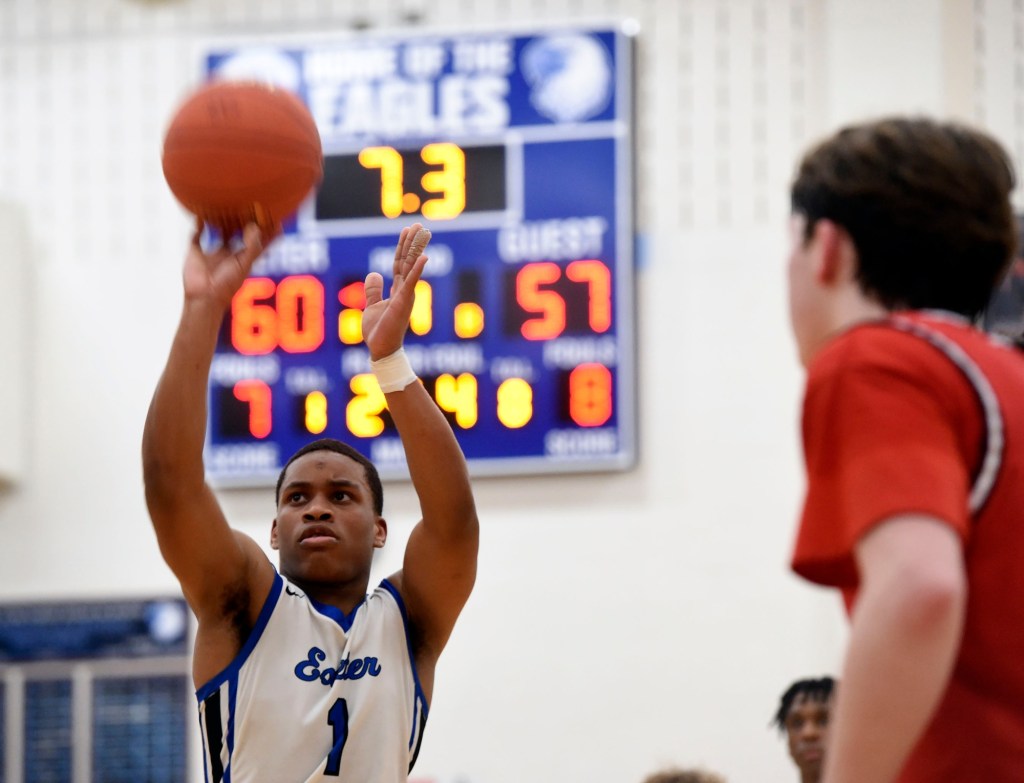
258,395
450,181
362,414
350,326
316,412
515,403
389,161
458,396
469,319
599,291
422,317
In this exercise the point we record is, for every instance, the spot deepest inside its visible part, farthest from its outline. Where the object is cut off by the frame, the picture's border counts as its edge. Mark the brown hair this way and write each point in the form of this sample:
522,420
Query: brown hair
926,205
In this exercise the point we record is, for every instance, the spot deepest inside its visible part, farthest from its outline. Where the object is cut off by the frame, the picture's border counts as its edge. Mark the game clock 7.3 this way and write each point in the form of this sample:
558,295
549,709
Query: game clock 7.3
439,181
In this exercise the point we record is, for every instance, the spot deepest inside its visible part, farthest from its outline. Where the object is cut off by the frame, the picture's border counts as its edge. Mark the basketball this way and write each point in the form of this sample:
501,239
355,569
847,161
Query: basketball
241,152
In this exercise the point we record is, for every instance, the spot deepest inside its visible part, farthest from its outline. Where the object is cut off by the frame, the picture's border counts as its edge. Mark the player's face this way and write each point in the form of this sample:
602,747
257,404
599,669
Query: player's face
326,527
807,730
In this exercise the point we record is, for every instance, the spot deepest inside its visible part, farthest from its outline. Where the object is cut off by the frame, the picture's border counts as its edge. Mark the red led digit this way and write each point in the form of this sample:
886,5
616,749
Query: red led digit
253,326
590,395
257,395
300,313
599,291
353,295
548,304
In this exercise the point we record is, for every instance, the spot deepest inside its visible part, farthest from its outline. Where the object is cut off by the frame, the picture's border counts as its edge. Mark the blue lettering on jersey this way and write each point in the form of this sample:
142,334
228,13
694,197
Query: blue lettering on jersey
309,670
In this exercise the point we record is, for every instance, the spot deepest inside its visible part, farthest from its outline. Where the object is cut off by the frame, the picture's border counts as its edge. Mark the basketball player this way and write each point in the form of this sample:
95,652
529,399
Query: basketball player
913,428
803,714
301,675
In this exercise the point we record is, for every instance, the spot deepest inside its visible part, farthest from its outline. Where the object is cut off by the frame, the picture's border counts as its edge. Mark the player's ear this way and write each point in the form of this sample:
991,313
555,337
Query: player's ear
274,542
380,534
833,251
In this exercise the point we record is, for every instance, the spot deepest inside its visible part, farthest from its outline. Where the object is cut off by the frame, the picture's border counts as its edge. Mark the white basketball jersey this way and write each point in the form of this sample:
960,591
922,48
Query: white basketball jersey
316,695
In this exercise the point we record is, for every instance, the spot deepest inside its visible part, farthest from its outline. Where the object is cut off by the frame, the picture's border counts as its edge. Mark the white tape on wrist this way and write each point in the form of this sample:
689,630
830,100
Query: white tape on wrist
393,372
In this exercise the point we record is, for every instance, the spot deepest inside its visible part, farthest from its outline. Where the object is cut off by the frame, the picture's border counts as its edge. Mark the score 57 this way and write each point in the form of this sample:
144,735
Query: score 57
549,299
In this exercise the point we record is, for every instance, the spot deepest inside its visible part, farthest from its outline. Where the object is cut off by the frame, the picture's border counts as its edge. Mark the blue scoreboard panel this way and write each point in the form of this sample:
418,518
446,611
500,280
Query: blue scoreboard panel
516,152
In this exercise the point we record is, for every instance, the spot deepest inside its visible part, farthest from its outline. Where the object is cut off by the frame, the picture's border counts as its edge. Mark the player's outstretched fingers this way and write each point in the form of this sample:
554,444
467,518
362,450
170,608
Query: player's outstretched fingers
400,250
413,260
418,243
412,274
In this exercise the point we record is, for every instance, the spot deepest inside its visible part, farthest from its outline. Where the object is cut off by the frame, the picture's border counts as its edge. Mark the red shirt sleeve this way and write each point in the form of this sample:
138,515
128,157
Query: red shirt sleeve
890,426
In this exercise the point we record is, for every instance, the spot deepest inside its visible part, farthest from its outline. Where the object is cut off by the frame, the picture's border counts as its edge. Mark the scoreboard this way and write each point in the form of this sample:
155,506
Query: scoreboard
515,150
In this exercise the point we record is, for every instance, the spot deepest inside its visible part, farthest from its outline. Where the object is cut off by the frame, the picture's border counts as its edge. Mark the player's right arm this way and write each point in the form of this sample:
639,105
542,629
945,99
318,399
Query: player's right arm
218,568
906,632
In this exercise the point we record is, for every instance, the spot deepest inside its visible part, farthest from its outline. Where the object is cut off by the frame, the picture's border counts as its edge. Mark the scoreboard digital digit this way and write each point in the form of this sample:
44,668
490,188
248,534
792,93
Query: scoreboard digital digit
516,151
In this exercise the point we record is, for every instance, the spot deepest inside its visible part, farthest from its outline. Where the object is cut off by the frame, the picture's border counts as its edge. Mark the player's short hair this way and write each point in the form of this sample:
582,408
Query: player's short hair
814,689
684,776
926,203
339,447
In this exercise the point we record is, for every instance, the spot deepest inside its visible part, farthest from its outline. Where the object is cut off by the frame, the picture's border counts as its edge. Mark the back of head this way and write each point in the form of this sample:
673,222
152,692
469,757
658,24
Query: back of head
926,204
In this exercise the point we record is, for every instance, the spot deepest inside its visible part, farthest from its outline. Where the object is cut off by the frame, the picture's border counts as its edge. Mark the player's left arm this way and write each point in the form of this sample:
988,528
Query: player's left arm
905,634
439,568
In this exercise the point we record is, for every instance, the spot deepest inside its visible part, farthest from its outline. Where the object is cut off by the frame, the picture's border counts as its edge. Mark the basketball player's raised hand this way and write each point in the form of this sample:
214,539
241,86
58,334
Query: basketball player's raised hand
385,321
216,275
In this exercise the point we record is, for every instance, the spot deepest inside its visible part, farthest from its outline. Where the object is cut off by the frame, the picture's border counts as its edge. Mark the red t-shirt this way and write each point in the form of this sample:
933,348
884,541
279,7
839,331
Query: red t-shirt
923,414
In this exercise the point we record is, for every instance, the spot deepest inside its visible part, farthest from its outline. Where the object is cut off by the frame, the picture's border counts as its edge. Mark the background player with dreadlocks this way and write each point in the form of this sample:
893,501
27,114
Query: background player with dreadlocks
803,714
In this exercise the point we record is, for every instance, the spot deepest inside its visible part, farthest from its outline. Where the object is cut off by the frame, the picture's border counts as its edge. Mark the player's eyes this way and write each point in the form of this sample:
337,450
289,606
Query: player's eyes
295,497
342,496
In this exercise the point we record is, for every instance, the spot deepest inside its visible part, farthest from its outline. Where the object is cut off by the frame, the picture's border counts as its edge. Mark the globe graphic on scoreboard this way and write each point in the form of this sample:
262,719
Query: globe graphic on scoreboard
570,76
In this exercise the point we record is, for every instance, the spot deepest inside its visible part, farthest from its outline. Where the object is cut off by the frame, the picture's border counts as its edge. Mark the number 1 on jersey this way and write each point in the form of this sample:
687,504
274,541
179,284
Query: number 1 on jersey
338,718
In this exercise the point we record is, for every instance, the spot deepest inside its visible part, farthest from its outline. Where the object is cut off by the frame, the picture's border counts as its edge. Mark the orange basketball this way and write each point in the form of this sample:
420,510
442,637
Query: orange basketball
240,152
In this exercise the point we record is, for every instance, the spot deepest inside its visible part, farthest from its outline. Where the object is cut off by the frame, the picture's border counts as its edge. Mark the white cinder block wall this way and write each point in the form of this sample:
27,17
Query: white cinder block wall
620,622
